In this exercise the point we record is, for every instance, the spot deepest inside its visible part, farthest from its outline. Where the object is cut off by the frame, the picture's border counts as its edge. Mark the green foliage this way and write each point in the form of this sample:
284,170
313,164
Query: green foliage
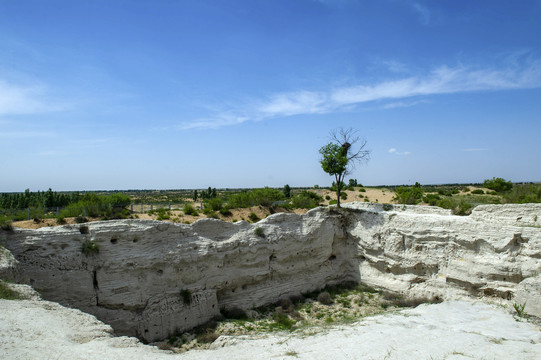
524,193
410,195
107,206
80,219
195,195
333,202
431,199
343,195
259,232
519,308
306,200
362,190
6,293
478,192
163,214
498,184
287,191
188,209
209,193
352,183
457,206
334,159
90,248
256,197
282,321
253,217
215,203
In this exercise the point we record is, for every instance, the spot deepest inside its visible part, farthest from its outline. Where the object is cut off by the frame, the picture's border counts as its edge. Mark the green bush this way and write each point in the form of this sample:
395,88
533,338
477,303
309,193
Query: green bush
90,248
256,197
431,199
498,184
334,202
6,293
259,232
188,209
253,217
478,192
524,193
215,204
410,195
306,200
327,197
343,195
362,190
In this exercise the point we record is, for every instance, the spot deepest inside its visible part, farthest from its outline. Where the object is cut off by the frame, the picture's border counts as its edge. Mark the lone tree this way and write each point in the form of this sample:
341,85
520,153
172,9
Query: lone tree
338,157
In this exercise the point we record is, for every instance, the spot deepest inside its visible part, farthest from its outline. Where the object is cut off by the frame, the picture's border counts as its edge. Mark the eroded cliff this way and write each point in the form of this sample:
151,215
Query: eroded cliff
151,278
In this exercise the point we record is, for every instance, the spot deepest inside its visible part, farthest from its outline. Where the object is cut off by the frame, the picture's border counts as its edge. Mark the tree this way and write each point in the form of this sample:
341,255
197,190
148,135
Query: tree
287,191
498,184
338,157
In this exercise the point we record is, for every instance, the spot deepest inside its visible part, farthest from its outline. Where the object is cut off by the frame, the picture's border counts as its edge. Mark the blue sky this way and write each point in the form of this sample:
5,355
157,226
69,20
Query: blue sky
172,94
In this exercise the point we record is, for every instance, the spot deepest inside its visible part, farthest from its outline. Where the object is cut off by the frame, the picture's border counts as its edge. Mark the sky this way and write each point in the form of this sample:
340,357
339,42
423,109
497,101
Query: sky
180,94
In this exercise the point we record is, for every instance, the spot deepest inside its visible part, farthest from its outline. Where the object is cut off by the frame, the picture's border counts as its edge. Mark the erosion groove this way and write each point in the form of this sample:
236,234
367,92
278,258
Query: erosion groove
139,279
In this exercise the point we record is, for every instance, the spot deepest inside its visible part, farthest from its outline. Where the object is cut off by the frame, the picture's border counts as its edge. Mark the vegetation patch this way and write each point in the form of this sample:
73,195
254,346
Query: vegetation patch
333,305
6,293
90,248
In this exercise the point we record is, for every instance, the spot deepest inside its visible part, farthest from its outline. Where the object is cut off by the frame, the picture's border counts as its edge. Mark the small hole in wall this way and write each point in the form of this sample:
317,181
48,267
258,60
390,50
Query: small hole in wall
272,257
332,257
160,272
135,240
146,330
84,230
114,240
244,287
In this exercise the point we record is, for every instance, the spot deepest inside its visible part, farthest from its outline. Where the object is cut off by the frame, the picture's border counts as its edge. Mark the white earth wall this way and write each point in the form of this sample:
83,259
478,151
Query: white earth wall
152,278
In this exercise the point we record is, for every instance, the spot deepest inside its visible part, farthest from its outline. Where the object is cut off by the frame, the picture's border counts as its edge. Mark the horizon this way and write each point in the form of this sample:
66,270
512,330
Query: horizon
242,94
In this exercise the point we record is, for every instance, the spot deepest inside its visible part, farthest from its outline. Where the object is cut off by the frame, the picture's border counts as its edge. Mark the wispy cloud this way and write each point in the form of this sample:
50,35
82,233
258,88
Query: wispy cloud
423,13
441,80
19,99
394,151
475,149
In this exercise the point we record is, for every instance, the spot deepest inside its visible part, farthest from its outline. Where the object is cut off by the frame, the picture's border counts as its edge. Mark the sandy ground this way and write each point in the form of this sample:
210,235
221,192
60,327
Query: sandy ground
450,330
379,195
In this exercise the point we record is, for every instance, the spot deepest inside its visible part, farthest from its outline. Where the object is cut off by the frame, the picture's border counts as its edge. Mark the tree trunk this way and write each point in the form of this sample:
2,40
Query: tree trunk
338,189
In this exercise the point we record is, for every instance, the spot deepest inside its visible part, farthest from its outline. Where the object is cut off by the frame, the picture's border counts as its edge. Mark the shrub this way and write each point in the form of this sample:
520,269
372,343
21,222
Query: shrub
343,195
387,207
327,197
282,321
306,200
259,232
188,209
498,184
478,192
6,293
410,195
60,220
253,217
262,197
90,248
324,298
80,219
215,204
431,199
332,202
225,212
362,190
519,308
526,193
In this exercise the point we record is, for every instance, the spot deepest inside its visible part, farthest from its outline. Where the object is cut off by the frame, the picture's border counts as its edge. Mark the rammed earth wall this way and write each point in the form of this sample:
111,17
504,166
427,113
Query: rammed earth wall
151,278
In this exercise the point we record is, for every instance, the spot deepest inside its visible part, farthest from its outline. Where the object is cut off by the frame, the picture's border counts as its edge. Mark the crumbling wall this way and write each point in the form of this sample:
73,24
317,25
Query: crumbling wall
152,278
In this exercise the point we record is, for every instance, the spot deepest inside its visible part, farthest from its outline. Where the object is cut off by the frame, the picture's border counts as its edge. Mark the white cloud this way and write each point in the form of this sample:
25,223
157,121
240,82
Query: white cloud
423,12
400,153
476,149
17,99
441,80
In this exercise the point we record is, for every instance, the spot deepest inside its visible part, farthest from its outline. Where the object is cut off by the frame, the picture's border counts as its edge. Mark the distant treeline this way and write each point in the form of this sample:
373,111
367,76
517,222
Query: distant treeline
44,199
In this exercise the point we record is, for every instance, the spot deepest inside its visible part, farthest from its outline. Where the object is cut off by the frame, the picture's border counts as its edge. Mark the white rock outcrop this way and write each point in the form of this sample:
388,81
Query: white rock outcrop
151,278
